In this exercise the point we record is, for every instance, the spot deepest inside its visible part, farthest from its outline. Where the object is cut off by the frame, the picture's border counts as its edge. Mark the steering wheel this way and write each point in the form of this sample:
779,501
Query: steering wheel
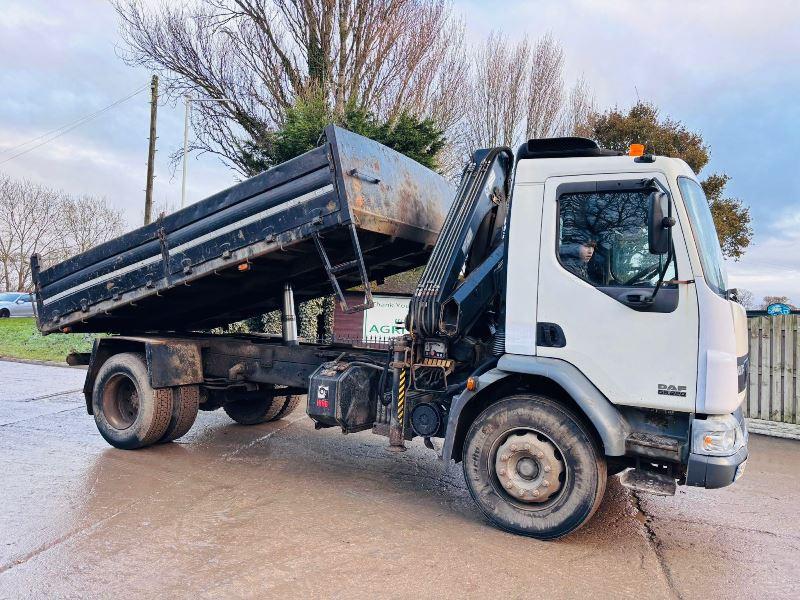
642,274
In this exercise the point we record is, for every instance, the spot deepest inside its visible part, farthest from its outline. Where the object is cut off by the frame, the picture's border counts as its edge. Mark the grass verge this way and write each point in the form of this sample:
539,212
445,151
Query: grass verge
19,338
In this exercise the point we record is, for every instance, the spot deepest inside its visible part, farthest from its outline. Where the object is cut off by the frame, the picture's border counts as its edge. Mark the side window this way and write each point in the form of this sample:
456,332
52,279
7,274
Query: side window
602,238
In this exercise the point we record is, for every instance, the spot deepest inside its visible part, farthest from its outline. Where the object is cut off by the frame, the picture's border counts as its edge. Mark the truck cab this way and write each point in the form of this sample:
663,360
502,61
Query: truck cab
617,310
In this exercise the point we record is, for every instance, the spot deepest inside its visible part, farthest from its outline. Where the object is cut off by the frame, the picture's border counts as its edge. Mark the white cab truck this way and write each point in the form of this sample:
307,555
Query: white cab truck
573,320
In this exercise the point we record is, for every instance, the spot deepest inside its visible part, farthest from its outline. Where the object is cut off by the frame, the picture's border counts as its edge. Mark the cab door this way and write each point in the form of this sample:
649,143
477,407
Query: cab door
596,275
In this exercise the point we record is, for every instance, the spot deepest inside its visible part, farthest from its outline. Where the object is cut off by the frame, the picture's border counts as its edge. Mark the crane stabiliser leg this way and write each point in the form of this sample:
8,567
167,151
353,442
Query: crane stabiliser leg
400,382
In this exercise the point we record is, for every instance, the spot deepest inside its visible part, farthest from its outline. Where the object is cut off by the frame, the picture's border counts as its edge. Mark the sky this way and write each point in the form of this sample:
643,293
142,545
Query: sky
729,69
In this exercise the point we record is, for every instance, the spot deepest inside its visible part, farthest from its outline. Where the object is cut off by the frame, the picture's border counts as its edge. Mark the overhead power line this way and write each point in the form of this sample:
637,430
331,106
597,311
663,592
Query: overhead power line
53,134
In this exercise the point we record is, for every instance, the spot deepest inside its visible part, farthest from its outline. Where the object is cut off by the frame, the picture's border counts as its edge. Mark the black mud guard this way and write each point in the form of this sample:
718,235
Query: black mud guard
170,362
606,418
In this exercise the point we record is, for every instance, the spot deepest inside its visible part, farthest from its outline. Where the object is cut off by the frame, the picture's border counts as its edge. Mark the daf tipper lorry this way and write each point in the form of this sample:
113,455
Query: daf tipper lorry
573,319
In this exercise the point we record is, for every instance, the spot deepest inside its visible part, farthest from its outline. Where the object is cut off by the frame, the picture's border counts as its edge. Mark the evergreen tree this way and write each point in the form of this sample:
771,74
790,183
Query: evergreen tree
419,139
642,124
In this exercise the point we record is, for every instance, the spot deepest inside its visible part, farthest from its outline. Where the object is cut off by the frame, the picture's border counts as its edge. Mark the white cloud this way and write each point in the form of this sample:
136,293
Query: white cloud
656,46
78,153
15,16
80,164
58,63
771,266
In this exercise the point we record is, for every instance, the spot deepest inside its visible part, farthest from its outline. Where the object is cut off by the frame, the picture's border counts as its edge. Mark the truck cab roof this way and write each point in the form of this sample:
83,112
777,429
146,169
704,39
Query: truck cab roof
539,160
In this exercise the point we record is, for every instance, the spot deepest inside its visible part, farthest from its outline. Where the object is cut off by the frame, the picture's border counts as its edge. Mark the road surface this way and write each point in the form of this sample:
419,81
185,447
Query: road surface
282,510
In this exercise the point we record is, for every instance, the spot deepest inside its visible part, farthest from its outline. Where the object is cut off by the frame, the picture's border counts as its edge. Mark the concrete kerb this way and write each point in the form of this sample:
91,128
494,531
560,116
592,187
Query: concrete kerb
774,428
44,363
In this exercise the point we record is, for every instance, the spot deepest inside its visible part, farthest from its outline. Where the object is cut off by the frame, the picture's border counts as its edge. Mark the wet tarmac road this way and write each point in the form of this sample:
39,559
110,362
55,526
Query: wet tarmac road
282,510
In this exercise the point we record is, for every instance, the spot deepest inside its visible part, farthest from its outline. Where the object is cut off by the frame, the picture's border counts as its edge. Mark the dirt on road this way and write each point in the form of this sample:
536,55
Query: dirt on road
281,510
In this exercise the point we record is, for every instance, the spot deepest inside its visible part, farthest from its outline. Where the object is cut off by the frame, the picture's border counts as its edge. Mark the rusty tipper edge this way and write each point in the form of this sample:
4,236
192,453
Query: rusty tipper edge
367,210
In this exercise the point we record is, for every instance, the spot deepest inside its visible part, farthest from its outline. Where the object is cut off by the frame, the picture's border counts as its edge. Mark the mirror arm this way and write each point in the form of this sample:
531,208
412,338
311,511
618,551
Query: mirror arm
663,273
668,222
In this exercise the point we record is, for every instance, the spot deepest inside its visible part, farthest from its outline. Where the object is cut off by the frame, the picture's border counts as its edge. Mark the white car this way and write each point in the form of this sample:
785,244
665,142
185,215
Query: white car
15,304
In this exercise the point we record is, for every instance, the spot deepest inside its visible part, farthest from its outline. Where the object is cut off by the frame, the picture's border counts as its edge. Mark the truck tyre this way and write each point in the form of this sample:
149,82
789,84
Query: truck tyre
288,407
185,402
211,399
533,468
257,407
128,412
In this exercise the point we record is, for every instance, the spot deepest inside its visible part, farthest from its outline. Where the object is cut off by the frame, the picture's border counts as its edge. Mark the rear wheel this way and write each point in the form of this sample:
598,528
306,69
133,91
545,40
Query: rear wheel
128,412
290,403
185,401
252,408
533,468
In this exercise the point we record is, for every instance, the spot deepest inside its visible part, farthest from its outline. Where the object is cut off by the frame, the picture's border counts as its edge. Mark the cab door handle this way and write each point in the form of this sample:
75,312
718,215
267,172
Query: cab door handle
637,300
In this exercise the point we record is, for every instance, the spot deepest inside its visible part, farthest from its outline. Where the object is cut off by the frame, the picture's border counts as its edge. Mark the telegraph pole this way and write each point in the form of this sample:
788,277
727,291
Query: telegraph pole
151,150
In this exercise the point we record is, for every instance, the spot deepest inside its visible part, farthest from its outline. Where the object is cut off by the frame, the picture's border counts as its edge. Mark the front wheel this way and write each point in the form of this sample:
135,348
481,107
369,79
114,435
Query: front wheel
533,468
5,313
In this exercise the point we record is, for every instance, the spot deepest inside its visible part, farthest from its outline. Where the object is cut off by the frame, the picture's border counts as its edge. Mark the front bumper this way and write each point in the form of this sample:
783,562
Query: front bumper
715,471
710,471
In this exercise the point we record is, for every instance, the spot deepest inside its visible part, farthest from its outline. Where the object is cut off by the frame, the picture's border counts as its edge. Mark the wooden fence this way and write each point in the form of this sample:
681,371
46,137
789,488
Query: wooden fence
772,392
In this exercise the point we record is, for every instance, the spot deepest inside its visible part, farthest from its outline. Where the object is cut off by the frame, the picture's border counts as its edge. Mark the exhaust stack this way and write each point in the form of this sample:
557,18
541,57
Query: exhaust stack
289,319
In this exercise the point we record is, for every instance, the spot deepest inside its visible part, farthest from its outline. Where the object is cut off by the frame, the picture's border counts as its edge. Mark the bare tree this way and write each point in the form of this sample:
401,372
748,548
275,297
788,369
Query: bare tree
85,222
516,92
580,109
545,90
260,56
37,220
745,298
27,225
6,232
495,98
163,207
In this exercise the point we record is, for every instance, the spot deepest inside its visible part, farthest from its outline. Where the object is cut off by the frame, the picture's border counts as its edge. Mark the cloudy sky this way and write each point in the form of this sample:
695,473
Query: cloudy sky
727,68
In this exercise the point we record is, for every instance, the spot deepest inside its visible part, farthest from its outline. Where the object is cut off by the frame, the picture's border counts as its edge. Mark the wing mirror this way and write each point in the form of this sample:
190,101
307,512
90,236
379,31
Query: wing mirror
659,222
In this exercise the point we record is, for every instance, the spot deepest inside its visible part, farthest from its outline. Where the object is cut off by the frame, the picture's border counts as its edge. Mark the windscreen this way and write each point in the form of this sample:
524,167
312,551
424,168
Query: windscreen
705,234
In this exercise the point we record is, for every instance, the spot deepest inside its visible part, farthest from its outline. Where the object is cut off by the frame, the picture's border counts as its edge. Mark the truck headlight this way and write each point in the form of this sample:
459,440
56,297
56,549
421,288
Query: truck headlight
718,435
718,442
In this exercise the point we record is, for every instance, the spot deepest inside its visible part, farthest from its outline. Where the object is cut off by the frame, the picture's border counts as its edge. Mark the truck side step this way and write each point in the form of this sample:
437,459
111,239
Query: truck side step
649,482
654,446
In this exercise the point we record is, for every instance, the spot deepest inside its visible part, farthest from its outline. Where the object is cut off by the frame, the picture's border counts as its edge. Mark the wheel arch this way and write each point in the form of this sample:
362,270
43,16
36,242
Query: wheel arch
550,377
169,362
